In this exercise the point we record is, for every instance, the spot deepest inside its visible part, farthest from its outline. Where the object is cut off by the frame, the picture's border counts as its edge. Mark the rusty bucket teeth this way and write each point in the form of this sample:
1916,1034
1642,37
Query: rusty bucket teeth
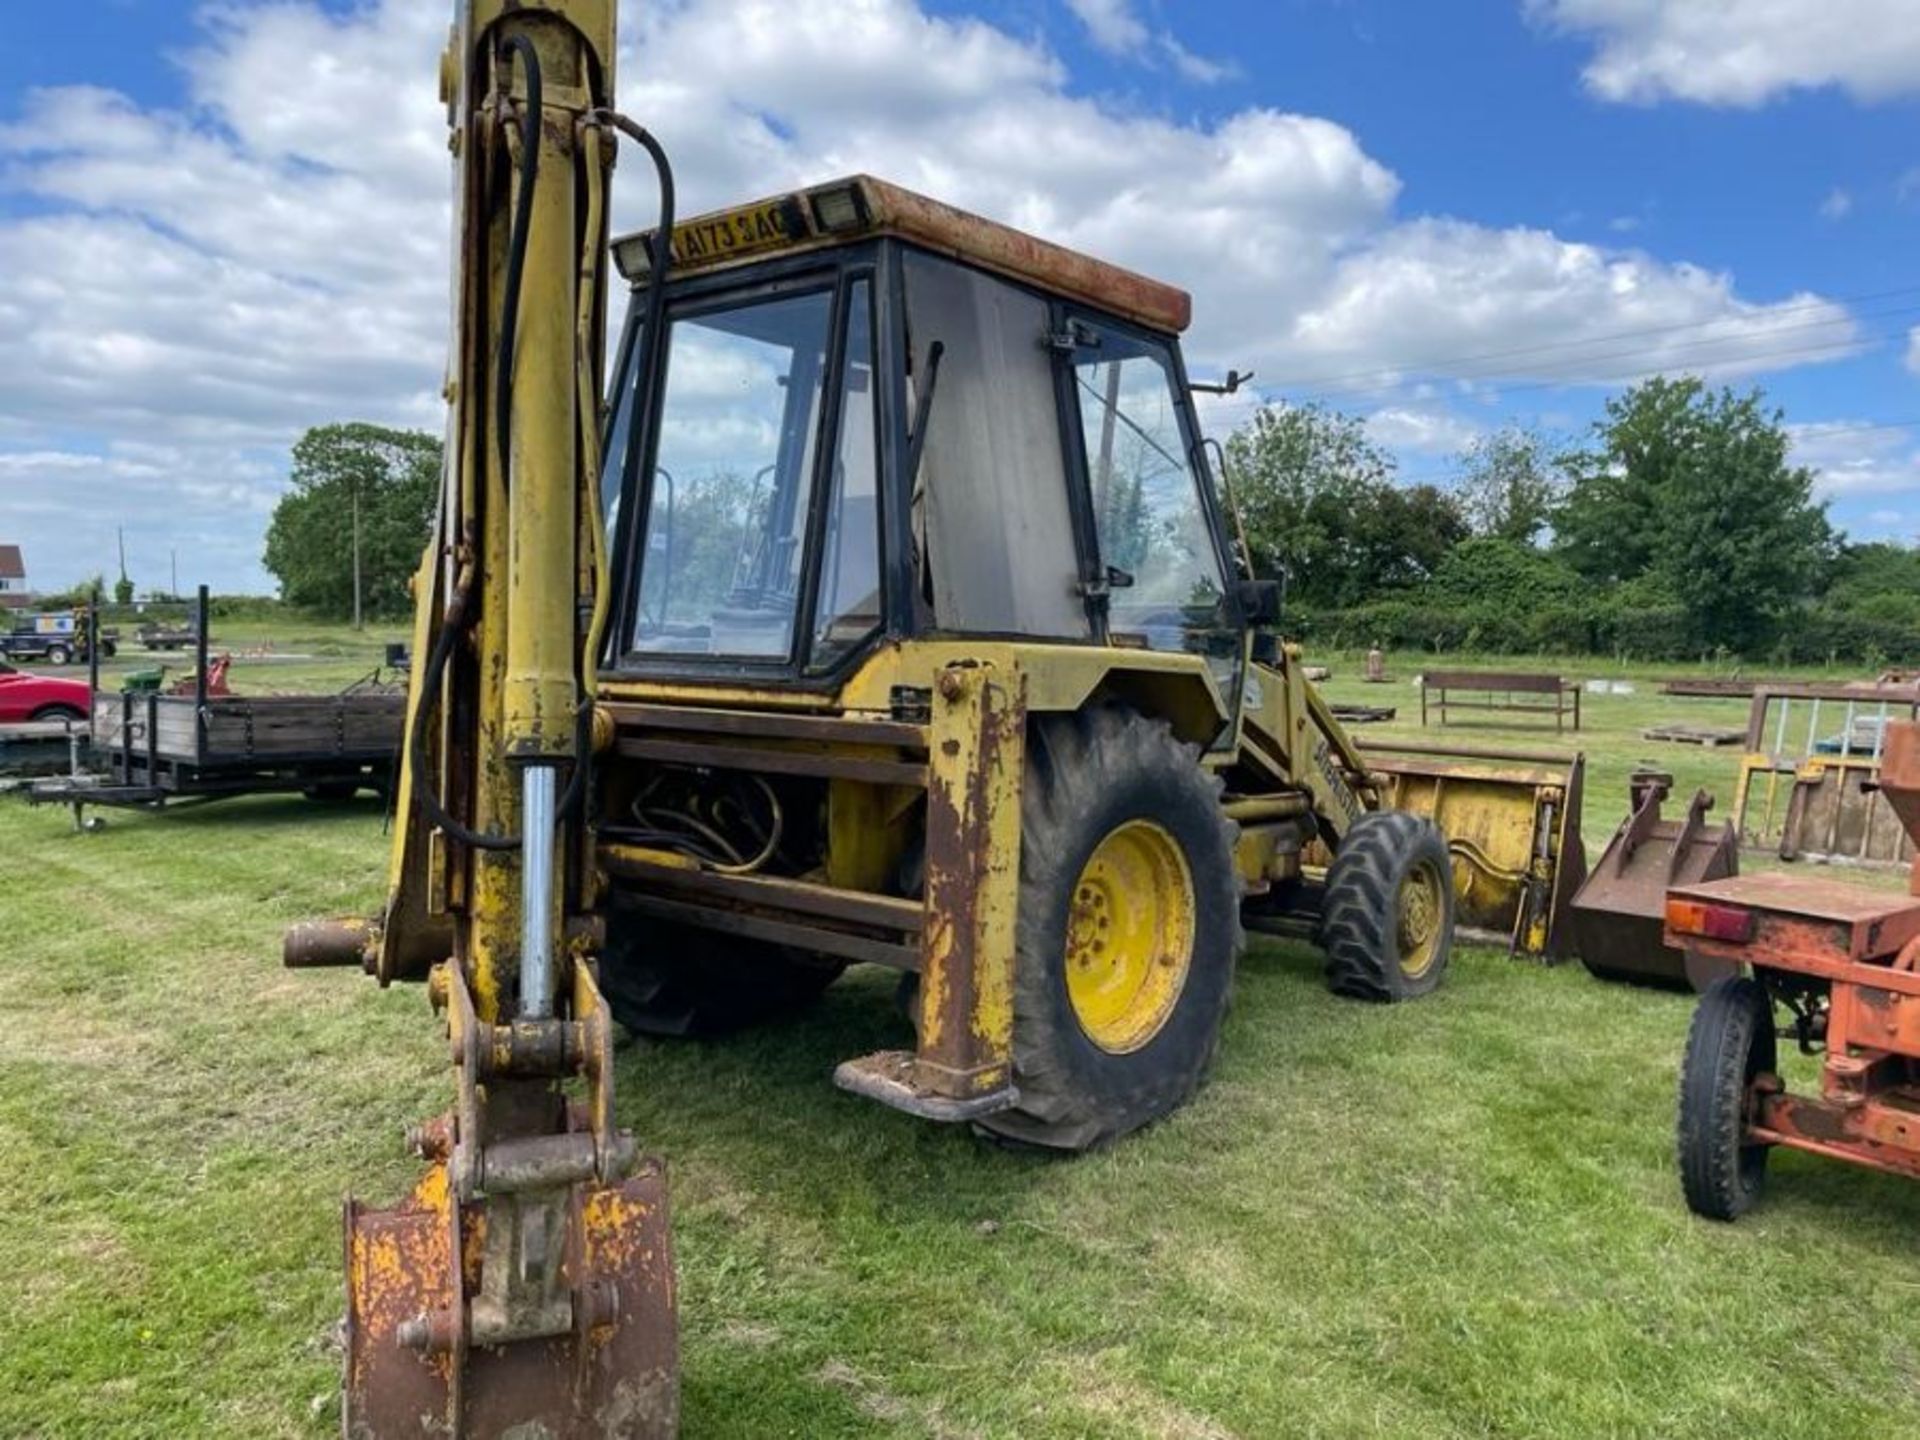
609,1367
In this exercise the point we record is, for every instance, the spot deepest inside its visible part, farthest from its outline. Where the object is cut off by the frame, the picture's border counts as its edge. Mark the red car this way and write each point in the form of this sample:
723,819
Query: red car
26,697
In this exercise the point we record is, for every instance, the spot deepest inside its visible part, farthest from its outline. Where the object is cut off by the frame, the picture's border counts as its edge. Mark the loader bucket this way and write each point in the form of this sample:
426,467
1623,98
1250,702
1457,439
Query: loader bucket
1512,822
1617,916
416,1363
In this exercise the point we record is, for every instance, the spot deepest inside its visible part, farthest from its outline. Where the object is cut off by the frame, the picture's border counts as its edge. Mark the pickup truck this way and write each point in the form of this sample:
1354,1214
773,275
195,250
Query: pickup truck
159,635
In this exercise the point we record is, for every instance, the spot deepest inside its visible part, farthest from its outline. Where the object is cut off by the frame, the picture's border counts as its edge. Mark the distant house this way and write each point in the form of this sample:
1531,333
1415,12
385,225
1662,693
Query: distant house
14,593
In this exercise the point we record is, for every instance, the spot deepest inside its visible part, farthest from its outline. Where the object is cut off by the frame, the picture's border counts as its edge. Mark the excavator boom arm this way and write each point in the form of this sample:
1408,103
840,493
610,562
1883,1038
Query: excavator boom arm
526,1286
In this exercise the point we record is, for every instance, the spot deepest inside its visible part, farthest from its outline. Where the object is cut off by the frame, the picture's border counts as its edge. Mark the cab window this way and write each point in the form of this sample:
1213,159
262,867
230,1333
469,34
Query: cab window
731,491
1167,585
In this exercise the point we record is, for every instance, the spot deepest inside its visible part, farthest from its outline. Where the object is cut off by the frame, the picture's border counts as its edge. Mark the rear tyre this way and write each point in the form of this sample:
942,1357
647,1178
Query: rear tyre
1128,930
59,655
1387,920
1730,1044
664,978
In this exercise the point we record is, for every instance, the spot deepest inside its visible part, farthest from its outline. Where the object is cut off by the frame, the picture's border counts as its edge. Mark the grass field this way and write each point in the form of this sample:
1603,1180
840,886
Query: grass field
1457,1218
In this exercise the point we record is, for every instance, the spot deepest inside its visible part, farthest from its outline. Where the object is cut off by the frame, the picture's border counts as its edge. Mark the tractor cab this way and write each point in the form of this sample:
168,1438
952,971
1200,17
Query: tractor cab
868,415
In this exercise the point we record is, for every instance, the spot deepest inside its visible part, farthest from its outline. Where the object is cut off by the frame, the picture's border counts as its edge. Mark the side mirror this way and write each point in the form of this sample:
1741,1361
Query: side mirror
1260,602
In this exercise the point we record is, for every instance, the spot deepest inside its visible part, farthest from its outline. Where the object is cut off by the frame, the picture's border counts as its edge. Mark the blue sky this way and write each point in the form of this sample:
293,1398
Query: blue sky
222,225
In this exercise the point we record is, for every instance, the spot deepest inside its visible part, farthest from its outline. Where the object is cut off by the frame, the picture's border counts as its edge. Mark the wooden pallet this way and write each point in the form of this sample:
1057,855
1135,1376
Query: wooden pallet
1702,735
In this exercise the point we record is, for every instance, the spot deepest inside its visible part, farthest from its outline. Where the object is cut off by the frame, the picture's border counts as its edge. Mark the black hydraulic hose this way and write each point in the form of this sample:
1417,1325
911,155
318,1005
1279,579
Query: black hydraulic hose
640,437
453,625
517,252
455,621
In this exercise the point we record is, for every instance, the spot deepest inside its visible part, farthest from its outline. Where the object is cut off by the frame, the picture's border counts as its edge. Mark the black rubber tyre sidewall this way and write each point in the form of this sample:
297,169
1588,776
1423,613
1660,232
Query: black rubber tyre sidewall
1730,1040
1359,925
1074,1094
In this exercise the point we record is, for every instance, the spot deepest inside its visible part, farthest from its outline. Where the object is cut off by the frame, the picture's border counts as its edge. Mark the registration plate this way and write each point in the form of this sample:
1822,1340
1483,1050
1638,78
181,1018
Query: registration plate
750,230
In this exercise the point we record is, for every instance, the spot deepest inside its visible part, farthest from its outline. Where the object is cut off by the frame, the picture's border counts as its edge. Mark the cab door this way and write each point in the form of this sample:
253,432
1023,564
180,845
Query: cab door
1158,537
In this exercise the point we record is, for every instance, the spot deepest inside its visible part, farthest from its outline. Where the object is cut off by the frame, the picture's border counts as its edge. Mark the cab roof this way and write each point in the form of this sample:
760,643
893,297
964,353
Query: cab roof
860,207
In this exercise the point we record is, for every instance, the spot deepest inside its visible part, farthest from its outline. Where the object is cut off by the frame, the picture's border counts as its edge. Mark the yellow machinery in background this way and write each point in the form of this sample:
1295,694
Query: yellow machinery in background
888,613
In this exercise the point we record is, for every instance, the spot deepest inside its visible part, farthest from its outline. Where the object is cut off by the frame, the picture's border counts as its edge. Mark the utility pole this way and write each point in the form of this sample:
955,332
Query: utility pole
356,552
173,564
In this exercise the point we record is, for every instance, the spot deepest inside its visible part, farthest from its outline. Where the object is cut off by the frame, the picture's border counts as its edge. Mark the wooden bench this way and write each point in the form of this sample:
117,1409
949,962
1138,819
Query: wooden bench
1509,691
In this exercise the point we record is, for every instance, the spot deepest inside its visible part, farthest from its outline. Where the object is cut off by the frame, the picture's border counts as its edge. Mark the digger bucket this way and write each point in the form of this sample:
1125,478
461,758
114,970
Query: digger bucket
1512,822
1617,916
417,1360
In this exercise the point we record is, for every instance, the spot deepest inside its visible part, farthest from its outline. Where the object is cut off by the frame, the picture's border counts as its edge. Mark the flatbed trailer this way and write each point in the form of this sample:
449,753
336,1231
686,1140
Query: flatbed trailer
147,751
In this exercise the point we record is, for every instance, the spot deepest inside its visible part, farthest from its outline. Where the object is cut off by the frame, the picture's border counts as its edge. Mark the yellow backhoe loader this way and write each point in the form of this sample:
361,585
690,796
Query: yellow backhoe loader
888,612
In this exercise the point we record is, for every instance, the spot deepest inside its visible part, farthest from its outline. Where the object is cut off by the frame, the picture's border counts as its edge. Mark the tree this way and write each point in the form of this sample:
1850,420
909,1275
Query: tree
390,477
1692,488
1317,497
1877,580
1510,484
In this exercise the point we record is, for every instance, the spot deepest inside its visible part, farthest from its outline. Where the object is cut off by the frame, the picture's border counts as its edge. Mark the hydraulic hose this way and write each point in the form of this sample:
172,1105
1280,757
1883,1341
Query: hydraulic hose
517,253
453,624
651,341
456,619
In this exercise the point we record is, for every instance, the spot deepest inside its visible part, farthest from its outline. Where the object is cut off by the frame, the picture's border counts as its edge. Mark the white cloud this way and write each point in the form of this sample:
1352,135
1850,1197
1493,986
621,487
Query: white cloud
1913,350
1421,430
192,287
1447,297
1838,204
1742,52
1855,458
1114,27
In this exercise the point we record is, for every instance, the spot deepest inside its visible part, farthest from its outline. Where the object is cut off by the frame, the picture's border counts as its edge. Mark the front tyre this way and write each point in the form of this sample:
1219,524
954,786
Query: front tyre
1387,921
1128,930
1729,1045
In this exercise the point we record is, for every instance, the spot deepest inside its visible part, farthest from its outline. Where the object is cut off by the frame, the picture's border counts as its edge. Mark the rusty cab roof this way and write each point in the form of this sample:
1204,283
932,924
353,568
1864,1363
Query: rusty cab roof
859,207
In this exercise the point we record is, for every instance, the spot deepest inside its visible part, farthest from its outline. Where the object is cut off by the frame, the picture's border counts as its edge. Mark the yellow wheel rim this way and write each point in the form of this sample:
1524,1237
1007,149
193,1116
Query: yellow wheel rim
1130,936
1423,909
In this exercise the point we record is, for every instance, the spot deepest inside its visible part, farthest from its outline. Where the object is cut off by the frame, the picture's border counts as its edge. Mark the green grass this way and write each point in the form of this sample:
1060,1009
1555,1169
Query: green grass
285,658
1457,1218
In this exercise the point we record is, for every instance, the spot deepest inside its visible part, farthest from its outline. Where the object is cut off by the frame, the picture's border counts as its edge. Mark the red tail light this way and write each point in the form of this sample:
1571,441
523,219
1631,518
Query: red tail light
1712,922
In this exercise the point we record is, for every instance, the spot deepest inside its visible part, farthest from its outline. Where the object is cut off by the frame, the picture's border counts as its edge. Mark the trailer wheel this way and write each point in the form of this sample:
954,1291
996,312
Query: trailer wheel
1387,921
664,978
1128,930
1729,1045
